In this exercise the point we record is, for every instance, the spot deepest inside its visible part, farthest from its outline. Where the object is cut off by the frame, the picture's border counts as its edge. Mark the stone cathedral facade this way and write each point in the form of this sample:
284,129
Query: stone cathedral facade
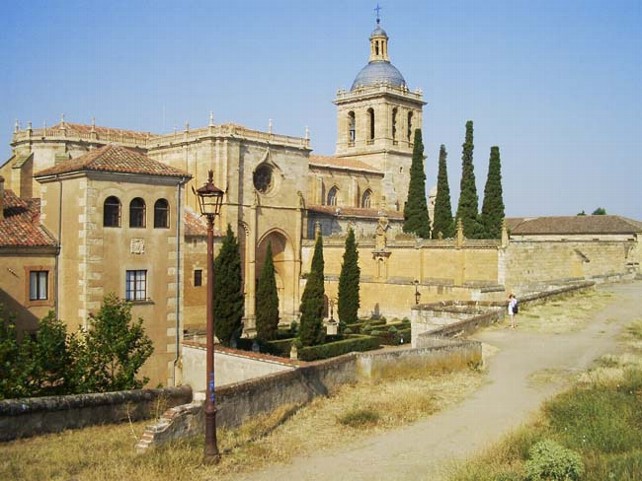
275,192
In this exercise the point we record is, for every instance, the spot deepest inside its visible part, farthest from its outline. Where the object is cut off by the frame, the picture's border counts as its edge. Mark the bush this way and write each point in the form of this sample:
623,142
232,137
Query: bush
333,349
550,461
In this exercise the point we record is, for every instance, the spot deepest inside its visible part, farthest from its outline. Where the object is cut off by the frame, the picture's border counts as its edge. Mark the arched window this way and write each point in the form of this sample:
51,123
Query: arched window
371,117
352,130
332,196
111,212
394,124
409,126
366,199
137,213
161,214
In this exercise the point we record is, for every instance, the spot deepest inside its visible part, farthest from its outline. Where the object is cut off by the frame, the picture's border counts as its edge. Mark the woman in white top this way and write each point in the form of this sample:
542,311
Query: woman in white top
512,304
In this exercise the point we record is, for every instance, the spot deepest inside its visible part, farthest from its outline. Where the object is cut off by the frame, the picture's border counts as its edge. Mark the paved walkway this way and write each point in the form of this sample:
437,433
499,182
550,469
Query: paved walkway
422,450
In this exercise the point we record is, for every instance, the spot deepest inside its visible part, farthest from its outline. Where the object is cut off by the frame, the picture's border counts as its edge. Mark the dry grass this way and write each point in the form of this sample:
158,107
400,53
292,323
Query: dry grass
107,453
562,316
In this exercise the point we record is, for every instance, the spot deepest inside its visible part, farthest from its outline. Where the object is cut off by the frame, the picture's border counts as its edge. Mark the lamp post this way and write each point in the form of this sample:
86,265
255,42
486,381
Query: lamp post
417,293
210,199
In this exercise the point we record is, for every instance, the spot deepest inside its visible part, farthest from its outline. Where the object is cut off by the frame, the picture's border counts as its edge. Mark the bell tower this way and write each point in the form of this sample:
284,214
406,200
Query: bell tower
377,117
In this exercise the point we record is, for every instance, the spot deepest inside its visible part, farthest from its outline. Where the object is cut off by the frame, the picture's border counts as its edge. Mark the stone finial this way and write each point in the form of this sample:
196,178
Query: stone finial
269,126
504,233
211,124
62,120
29,126
93,124
186,126
307,133
16,126
460,233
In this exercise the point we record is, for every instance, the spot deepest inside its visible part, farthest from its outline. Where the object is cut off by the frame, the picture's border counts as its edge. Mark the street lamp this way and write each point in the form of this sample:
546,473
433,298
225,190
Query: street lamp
417,293
210,199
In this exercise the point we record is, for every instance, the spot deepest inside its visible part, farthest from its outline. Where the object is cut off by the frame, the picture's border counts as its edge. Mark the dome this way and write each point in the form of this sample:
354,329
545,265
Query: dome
378,32
378,72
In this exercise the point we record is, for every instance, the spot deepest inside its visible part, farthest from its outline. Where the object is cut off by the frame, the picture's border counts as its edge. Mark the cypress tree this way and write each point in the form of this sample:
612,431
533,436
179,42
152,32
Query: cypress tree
311,330
267,301
467,209
229,302
348,307
443,221
415,214
492,214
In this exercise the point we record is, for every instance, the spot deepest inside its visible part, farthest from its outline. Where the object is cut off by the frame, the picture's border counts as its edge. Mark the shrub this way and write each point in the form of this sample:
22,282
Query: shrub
550,461
333,349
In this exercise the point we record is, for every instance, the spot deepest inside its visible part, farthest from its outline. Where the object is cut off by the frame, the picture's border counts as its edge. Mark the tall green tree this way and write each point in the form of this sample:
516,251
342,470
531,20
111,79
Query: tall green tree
267,301
311,330
349,303
229,302
443,222
115,347
468,207
599,211
492,214
415,213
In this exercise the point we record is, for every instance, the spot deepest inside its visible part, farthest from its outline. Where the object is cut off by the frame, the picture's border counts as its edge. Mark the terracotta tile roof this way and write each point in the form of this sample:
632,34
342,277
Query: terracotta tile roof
341,163
82,129
353,212
20,226
114,158
582,224
196,225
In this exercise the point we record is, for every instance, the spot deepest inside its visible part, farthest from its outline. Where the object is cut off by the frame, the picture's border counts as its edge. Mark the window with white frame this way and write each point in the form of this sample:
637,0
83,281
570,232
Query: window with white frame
136,285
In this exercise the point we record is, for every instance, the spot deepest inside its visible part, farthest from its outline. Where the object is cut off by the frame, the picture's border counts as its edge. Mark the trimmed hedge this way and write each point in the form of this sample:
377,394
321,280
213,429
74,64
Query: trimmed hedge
333,349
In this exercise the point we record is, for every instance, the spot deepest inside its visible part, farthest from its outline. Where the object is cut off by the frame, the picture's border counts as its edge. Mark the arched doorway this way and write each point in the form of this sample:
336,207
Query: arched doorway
285,271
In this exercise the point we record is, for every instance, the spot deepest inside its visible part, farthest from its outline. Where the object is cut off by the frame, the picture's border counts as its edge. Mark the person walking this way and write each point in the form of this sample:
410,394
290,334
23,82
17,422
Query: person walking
512,309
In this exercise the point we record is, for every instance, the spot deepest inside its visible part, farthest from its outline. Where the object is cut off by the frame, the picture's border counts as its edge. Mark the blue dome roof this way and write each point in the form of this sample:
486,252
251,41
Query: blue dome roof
378,72
378,32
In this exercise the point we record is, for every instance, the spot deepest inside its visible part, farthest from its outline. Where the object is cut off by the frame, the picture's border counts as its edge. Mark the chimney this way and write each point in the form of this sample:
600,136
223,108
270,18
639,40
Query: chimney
1,197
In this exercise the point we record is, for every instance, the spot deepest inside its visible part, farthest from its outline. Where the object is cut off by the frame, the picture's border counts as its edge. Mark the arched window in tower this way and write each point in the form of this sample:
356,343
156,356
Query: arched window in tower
366,199
377,47
352,131
394,125
333,194
371,119
161,214
137,213
111,212
410,126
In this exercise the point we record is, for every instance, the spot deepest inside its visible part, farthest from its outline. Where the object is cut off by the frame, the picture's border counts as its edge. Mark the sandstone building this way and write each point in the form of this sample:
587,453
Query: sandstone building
88,210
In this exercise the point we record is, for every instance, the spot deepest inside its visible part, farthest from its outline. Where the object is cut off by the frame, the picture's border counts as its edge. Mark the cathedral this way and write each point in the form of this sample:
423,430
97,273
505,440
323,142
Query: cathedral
103,194
89,210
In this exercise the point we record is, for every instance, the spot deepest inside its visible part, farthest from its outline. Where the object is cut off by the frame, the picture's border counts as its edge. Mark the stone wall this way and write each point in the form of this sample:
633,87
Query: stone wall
21,418
238,402
232,366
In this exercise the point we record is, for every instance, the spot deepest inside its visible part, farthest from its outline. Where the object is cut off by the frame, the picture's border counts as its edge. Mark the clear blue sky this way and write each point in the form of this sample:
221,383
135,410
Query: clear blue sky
556,84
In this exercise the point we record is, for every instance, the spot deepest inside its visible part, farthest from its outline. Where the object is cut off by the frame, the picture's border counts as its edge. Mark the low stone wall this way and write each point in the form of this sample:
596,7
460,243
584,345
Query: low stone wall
32,416
238,402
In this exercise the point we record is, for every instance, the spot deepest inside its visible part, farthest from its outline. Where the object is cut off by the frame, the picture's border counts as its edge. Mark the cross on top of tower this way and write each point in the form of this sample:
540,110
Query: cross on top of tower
378,10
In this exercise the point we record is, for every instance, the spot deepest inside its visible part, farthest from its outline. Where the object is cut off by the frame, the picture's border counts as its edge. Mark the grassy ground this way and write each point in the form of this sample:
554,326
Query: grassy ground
599,418
107,453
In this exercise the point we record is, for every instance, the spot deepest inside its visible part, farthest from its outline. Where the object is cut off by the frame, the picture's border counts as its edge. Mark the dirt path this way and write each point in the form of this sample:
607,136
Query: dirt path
421,451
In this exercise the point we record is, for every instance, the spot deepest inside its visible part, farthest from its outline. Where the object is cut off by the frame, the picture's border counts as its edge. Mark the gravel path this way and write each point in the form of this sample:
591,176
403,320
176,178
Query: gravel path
421,451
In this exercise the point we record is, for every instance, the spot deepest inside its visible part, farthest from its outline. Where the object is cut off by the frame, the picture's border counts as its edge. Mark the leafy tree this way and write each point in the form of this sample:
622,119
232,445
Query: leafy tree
311,330
599,211
113,349
467,209
267,301
348,307
415,214
443,222
13,372
54,359
581,213
229,302
492,214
